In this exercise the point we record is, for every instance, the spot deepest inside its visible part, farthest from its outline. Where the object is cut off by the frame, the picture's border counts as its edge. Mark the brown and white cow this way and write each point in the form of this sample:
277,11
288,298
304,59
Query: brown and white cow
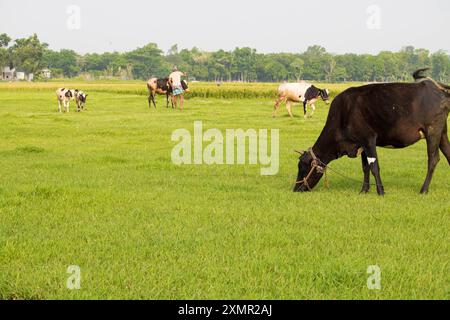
301,92
162,86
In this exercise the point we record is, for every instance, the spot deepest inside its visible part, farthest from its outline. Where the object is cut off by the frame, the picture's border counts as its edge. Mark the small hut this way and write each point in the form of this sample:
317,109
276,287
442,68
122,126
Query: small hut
8,73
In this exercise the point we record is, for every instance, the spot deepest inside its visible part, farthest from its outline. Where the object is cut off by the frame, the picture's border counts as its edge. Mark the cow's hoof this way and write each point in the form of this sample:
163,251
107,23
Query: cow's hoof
364,191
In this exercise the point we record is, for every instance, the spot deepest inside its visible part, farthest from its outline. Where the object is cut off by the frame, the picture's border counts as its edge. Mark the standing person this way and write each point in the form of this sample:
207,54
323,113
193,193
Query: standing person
177,88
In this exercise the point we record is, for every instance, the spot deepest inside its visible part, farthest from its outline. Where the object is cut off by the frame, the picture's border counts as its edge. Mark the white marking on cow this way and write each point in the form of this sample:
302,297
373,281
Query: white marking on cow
422,134
371,160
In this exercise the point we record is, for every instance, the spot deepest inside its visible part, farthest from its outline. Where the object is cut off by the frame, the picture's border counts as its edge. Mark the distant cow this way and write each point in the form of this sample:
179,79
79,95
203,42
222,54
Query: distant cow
390,115
80,99
161,86
300,92
64,95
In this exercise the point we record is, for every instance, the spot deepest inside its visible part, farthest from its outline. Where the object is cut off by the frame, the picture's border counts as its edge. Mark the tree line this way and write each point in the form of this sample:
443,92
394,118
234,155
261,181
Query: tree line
242,64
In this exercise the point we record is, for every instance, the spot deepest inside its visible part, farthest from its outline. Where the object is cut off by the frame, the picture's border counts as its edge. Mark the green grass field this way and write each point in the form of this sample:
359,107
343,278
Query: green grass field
98,189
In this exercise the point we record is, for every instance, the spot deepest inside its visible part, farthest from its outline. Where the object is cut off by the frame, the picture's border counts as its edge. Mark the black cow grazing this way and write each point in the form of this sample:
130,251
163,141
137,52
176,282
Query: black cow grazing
161,86
394,115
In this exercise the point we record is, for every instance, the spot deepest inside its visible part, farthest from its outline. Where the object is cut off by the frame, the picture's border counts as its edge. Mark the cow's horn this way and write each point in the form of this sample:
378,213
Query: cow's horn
301,152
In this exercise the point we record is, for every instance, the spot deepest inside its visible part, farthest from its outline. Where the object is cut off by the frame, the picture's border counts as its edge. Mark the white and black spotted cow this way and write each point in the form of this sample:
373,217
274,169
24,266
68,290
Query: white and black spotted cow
300,92
64,96
80,99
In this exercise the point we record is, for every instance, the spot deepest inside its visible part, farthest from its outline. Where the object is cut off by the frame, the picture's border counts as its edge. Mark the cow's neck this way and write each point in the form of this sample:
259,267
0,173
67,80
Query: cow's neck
326,147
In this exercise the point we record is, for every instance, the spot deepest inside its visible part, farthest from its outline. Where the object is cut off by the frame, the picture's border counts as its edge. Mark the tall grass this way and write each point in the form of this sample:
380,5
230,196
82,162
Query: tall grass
197,89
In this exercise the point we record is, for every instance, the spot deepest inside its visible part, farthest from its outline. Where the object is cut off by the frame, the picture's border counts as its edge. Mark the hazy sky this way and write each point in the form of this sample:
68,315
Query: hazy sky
358,26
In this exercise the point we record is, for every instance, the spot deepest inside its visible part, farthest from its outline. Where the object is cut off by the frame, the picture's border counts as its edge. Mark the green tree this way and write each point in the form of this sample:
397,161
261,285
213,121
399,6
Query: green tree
64,61
296,68
315,58
441,66
147,62
4,43
244,64
4,40
276,70
27,54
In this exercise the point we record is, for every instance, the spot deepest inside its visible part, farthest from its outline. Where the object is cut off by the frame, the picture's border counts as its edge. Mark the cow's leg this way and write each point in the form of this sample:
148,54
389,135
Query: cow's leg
304,108
167,100
68,105
372,160
277,105
445,144
59,106
366,170
149,100
433,159
153,99
288,108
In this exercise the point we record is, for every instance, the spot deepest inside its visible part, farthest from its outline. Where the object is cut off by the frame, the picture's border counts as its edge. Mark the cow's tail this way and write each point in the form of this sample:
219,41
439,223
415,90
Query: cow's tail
420,76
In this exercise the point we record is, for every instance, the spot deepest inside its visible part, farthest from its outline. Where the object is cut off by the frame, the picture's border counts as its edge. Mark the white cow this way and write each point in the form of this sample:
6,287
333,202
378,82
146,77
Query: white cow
64,95
300,92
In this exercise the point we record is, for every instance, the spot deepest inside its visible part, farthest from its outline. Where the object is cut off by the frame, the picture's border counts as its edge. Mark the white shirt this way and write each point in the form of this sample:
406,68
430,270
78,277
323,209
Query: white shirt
175,77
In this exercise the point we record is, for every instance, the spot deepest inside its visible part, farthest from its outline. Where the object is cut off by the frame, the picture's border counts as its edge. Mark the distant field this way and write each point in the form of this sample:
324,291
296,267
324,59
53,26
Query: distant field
199,89
98,189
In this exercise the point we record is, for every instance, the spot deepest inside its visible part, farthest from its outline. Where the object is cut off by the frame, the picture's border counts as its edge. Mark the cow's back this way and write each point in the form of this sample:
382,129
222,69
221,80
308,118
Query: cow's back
61,93
387,109
152,83
294,91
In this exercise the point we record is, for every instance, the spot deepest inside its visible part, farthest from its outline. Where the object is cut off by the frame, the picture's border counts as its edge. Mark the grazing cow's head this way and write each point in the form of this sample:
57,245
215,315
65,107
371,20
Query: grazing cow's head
82,97
310,171
69,94
325,95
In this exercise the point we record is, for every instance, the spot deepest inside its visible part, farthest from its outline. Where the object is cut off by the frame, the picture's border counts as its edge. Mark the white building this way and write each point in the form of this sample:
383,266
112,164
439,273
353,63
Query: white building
8,74
20,75
46,73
